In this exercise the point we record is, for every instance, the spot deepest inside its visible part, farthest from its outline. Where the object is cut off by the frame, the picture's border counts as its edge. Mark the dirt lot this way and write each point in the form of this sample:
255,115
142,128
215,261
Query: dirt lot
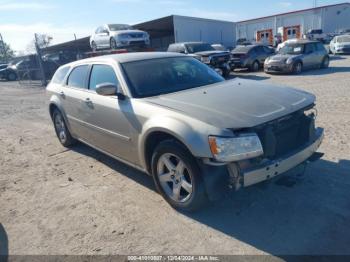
58,201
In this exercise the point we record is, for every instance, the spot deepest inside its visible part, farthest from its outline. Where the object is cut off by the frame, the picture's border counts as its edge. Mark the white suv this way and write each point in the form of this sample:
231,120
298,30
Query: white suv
115,36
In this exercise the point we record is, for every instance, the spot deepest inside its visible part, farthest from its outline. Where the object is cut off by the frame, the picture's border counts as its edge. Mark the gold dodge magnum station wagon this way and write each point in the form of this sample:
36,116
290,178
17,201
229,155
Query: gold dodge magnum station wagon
179,121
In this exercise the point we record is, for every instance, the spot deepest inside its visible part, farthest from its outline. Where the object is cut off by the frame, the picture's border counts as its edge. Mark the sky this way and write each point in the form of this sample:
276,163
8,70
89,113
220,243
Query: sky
61,19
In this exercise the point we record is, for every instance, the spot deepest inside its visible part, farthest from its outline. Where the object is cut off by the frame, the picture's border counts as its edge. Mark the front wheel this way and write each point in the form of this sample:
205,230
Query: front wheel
325,62
255,66
297,68
113,44
11,76
93,46
177,176
226,72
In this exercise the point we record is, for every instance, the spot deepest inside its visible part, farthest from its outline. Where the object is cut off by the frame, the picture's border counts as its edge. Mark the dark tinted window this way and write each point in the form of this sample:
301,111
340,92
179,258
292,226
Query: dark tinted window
242,49
167,75
198,47
102,74
309,48
60,75
268,50
78,76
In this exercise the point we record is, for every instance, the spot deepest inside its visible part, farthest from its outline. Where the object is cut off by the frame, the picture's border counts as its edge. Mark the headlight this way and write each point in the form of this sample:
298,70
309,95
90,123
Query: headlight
289,61
230,149
205,59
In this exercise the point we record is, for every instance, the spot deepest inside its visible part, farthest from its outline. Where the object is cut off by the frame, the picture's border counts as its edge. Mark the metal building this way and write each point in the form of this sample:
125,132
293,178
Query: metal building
175,28
330,18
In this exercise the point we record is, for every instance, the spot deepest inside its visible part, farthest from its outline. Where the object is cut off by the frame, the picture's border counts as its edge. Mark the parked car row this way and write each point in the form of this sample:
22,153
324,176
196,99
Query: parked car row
294,56
28,69
216,59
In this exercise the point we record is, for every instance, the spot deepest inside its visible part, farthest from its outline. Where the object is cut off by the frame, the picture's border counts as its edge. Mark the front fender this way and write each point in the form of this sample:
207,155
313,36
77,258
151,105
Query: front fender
195,139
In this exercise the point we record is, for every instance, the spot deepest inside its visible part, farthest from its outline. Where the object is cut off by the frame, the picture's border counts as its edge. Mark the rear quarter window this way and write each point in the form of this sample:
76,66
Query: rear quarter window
60,75
78,76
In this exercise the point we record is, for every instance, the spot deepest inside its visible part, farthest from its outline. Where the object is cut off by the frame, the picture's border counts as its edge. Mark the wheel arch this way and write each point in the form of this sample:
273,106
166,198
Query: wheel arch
54,105
152,140
186,133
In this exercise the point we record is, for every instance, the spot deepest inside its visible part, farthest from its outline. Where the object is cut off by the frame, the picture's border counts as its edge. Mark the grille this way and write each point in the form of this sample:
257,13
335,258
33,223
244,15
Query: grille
137,42
136,35
285,135
220,59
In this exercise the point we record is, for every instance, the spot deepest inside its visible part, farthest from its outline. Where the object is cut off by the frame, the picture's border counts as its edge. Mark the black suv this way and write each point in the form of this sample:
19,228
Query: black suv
218,60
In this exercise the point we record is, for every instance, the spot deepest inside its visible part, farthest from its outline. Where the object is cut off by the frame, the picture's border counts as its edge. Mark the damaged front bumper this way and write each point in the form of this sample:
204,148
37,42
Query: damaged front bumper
272,168
238,175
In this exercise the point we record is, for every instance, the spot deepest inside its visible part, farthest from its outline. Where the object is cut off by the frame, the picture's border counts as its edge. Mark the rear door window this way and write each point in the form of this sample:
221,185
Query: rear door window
77,77
102,74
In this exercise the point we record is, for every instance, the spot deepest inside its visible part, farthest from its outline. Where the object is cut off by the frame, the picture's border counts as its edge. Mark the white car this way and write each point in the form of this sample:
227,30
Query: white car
340,44
115,36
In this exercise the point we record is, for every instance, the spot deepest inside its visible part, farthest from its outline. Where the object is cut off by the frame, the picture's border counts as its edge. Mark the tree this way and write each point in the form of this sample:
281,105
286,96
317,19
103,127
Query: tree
6,52
44,41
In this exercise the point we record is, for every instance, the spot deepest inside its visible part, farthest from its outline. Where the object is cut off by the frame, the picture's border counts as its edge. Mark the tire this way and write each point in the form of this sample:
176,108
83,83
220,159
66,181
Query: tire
297,68
226,73
93,46
177,176
325,62
113,44
12,76
255,66
61,129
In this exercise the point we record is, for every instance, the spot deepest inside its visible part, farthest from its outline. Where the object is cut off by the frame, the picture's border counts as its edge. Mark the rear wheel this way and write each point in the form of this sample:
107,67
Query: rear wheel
255,66
297,68
177,176
325,62
93,46
61,129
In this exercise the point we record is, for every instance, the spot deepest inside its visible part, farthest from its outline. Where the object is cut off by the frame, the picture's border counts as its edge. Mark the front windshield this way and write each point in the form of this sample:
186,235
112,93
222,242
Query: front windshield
344,39
292,49
200,47
154,77
120,27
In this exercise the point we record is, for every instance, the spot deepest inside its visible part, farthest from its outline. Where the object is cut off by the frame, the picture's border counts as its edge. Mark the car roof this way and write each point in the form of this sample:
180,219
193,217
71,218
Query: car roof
304,41
127,57
189,43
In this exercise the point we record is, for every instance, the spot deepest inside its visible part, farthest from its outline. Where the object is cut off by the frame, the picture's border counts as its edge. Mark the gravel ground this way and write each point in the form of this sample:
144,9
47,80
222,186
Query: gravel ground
79,201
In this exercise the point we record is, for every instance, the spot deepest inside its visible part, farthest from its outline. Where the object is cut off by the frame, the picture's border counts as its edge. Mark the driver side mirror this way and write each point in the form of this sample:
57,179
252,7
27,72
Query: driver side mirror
109,89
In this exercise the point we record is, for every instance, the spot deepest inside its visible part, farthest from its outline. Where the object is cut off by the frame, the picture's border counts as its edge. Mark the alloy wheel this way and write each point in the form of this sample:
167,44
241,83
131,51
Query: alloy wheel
60,128
175,177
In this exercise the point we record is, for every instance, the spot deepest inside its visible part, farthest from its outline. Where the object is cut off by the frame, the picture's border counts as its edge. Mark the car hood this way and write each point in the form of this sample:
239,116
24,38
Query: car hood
212,52
343,44
282,58
131,31
236,103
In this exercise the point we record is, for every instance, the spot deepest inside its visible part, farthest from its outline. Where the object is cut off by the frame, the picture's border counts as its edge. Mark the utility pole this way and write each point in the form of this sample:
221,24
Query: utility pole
40,60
